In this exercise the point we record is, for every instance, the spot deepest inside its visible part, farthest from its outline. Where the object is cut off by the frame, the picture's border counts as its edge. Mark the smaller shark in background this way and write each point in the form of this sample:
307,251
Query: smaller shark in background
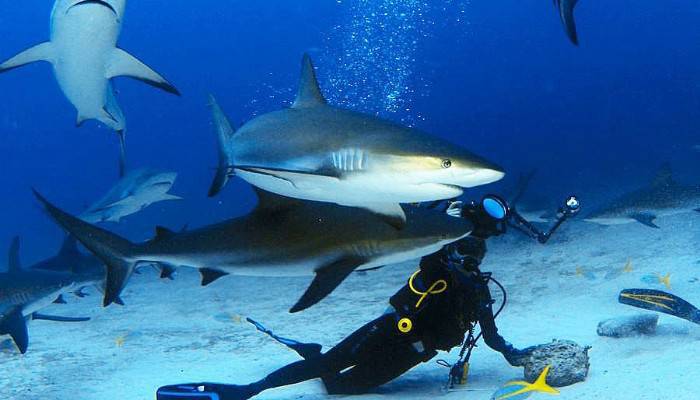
23,293
566,13
663,197
69,259
83,52
135,191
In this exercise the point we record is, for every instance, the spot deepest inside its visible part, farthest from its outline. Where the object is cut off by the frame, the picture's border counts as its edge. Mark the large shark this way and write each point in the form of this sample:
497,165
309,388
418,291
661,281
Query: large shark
132,193
314,151
23,293
84,54
566,13
663,197
281,237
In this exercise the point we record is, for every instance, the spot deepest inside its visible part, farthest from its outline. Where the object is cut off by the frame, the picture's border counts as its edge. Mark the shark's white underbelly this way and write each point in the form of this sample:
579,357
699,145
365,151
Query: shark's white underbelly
294,266
83,41
355,190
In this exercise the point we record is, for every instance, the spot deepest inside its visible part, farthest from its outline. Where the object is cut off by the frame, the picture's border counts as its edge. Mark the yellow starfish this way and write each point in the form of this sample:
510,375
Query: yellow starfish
628,266
540,385
666,280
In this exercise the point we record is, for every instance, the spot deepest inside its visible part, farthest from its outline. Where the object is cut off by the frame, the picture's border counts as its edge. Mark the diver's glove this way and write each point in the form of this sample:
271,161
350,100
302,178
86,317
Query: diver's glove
205,391
518,357
455,209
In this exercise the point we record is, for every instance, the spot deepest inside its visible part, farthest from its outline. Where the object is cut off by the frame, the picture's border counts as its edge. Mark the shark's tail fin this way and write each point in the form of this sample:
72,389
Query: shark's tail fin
117,253
225,132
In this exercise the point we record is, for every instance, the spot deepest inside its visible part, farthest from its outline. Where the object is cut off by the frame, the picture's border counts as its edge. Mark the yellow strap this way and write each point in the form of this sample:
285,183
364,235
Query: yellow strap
441,283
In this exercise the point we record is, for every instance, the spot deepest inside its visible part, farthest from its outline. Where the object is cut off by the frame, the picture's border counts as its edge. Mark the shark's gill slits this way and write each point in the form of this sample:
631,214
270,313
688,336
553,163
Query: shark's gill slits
98,2
349,160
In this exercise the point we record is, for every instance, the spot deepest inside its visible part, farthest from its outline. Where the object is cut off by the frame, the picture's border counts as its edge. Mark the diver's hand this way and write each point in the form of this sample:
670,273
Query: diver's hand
205,391
518,357
455,209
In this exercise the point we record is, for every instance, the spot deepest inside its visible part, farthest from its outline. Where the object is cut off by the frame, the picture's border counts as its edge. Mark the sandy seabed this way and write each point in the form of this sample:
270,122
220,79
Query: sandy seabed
176,331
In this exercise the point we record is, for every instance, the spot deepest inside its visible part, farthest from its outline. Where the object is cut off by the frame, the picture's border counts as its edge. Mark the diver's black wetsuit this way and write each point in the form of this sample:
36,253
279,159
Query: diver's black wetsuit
443,300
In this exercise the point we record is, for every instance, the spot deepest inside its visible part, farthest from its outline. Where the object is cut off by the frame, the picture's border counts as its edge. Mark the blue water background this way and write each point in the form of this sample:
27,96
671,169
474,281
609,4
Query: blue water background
498,77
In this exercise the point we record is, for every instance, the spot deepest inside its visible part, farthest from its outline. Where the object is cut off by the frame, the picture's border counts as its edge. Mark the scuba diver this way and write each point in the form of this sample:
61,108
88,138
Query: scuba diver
440,305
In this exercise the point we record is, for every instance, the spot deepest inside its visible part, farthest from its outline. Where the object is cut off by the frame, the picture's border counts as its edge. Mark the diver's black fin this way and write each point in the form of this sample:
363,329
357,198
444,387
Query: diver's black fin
327,279
13,263
15,325
60,300
306,350
210,275
645,219
55,318
656,300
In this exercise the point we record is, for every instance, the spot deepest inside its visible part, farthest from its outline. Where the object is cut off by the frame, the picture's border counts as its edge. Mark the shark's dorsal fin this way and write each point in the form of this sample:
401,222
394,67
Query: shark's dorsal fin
272,202
163,233
13,262
664,176
309,94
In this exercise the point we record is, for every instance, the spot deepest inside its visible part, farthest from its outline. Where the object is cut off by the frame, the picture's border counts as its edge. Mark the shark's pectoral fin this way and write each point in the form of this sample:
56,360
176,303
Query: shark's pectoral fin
167,272
168,196
124,64
391,213
60,300
163,233
645,219
697,210
210,275
40,52
566,13
327,279
55,318
15,325
119,301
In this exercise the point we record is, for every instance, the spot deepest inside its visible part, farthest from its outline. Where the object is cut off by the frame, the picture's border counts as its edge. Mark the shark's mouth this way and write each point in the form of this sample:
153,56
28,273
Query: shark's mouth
98,2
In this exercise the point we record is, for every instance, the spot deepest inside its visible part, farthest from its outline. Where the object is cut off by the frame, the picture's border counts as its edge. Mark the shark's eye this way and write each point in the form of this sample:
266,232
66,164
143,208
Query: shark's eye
446,163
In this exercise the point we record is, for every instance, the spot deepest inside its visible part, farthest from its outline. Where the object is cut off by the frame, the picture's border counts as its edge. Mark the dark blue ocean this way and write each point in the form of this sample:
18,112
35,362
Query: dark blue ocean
499,78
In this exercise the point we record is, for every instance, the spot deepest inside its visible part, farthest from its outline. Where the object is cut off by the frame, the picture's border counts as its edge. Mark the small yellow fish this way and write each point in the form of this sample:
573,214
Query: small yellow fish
628,266
579,271
665,280
517,390
120,340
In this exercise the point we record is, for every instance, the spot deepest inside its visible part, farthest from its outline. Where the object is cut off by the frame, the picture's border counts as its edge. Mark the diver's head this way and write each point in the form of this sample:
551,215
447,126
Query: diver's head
489,216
